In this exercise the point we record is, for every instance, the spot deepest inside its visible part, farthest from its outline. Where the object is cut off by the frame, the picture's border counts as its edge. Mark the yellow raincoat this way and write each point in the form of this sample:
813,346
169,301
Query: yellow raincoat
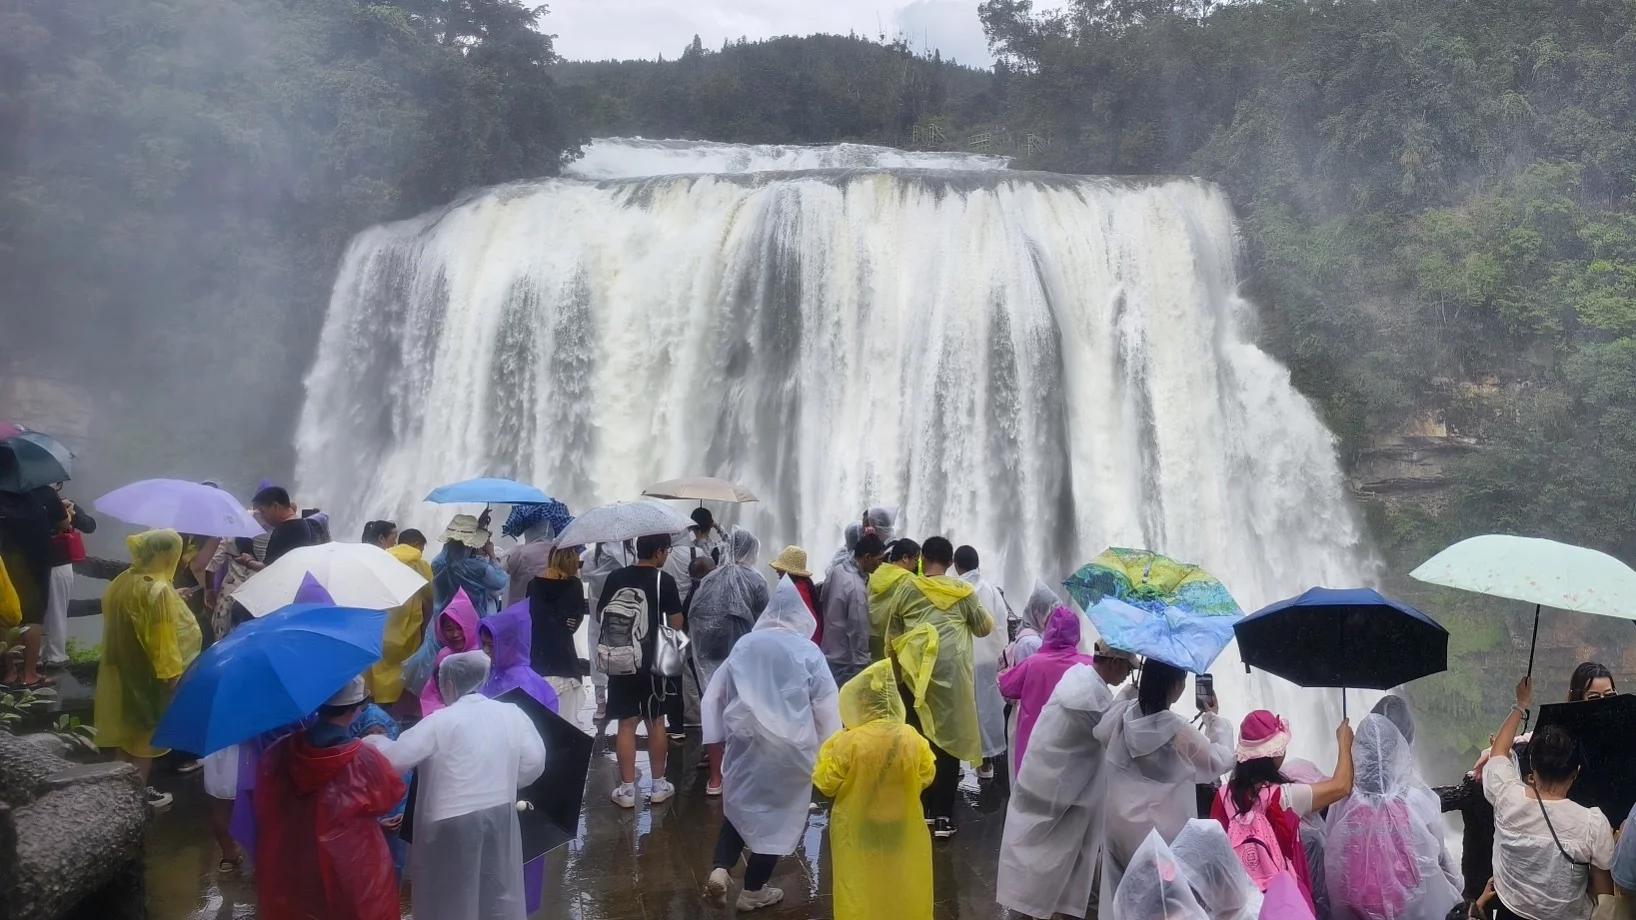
401,638
148,639
875,770
929,622
11,607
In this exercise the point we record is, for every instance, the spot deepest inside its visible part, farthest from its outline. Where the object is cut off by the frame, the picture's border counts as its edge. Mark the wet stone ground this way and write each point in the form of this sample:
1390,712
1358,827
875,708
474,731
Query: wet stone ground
645,863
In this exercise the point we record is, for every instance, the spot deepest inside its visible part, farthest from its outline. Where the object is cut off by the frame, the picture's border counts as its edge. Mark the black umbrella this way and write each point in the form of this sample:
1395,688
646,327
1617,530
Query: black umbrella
1606,732
1343,638
551,817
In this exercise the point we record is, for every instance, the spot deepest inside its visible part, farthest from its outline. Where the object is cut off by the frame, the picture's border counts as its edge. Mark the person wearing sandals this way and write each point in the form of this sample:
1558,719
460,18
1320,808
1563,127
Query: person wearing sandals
1551,856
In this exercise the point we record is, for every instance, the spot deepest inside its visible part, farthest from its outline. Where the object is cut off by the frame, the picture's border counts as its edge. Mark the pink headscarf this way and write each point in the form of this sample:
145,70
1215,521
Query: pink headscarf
1031,682
461,613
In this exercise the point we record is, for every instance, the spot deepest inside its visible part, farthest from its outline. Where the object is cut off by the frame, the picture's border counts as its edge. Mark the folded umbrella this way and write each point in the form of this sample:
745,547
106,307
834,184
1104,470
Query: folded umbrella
354,574
268,673
1544,573
30,459
1606,732
487,492
1174,636
621,521
176,504
700,489
1343,638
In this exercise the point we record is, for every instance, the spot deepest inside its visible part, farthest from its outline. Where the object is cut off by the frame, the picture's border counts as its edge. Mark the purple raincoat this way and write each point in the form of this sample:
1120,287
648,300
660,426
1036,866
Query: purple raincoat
1032,682
510,632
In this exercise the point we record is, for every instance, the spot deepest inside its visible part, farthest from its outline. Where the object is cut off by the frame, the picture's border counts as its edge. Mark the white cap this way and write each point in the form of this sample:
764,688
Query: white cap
352,694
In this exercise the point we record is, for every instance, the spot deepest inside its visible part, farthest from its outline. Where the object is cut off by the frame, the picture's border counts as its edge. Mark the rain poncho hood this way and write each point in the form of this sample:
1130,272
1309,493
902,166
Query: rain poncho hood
461,613
511,634
772,702
1032,682
928,623
1206,857
1381,858
401,635
884,519
875,771
1153,764
725,605
1054,819
850,538
1035,615
1154,887
462,673
148,638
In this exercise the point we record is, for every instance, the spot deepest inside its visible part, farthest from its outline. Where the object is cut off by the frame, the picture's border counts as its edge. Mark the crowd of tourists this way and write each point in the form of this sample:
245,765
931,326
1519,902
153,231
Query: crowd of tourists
868,684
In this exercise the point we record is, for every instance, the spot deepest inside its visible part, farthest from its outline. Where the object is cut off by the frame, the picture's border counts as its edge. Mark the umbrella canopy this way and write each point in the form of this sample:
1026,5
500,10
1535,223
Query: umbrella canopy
1172,635
176,504
1343,638
555,798
621,521
1606,732
354,574
1541,572
700,488
267,673
487,492
29,460
1152,582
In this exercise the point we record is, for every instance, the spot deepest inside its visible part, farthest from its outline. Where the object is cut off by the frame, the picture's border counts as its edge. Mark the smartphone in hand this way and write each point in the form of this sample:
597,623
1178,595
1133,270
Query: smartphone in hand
1204,692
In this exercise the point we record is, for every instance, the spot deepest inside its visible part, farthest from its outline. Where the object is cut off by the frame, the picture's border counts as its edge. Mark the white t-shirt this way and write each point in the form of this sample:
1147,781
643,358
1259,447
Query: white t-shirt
1531,875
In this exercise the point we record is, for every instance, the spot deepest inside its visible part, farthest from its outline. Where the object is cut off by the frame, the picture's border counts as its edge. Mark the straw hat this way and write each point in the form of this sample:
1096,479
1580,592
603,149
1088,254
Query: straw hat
463,528
792,561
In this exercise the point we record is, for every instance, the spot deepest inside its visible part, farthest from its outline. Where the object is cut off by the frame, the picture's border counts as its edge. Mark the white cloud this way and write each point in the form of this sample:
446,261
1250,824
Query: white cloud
603,29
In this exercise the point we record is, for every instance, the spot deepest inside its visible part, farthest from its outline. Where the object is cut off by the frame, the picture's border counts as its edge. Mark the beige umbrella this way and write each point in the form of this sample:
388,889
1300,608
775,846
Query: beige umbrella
701,489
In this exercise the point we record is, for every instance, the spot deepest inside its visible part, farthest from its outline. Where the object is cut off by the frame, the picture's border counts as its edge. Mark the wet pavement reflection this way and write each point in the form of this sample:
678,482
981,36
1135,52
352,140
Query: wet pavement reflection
645,863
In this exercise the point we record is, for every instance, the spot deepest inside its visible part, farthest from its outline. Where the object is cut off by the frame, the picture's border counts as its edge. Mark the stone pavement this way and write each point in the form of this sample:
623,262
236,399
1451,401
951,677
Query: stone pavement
648,863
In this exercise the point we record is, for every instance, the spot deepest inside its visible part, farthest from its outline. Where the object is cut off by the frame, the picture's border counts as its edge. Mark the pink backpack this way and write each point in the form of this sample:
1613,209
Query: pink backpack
1381,871
1255,841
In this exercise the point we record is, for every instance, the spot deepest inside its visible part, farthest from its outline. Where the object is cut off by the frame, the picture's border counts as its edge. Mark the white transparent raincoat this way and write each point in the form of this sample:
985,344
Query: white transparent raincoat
773,702
986,653
725,605
1206,857
472,757
1383,858
1154,888
1153,764
1053,822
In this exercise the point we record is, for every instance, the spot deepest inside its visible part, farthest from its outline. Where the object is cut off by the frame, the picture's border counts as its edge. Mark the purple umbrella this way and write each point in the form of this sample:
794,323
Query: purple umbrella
188,507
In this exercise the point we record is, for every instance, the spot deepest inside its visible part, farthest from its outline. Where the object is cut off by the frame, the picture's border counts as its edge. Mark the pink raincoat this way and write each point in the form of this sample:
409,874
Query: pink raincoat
1032,682
460,612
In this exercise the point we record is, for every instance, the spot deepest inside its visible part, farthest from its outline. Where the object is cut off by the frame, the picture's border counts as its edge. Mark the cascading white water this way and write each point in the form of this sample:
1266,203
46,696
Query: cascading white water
1039,365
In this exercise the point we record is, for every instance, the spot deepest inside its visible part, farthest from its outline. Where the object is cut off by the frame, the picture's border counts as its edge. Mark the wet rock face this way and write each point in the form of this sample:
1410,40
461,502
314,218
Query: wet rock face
70,836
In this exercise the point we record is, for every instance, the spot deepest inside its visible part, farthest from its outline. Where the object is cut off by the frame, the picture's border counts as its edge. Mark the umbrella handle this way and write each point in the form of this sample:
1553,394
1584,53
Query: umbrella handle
1532,645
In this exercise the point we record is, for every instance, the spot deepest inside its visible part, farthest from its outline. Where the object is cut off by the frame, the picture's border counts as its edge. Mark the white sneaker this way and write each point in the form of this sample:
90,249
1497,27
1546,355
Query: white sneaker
986,771
157,799
624,795
661,792
766,897
715,887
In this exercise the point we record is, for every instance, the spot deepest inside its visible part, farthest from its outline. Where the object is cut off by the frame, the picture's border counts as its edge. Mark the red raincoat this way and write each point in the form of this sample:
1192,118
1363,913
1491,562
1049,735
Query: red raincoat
320,855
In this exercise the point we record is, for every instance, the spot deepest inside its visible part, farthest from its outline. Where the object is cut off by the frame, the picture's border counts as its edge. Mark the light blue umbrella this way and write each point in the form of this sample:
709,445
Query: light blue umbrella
1187,640
487,492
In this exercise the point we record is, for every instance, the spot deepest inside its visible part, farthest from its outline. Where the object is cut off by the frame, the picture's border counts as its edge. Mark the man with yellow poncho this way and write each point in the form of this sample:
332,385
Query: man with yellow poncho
401,637
928,622
149,636
875,770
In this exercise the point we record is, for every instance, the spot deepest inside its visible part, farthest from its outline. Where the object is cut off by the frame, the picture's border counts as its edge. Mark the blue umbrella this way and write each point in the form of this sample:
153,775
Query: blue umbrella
269,673
1178,637
487,492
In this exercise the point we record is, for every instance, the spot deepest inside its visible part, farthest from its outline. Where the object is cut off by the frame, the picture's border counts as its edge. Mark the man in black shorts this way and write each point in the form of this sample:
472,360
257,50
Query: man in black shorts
643,695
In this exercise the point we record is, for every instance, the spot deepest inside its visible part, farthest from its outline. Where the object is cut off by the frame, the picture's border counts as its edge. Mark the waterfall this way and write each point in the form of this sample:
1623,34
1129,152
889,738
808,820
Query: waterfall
1039,365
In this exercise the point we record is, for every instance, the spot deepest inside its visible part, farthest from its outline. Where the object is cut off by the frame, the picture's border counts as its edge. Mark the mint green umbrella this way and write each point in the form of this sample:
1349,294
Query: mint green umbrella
1544,573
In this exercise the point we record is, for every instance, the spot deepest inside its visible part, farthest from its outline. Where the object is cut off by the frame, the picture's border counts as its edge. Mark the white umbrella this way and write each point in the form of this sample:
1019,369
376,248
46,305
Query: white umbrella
354,574
700,488
621,521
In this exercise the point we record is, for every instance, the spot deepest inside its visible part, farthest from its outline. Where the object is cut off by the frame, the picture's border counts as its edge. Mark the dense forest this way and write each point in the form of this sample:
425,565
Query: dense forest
1435,200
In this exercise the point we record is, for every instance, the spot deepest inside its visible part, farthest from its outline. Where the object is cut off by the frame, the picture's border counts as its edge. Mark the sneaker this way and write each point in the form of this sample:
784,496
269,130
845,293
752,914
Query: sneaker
188,766
661,792
712,789
677,736
766,897
943,828
624,795
715,887
986,771
158,800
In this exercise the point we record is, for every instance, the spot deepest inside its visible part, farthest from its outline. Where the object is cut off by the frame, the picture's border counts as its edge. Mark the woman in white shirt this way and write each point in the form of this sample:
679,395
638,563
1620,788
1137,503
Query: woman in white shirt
1551,855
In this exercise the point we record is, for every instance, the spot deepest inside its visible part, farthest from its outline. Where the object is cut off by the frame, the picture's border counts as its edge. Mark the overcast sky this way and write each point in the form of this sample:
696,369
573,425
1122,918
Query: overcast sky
621,29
